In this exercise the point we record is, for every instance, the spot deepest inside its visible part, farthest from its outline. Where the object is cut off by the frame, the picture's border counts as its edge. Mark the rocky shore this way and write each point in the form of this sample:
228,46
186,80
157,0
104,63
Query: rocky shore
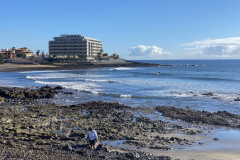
30,130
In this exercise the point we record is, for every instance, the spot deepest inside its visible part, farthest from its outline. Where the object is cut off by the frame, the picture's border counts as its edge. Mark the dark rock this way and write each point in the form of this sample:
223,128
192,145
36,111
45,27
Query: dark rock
23,94
208,94
216,139
237,99
58,88
75,134
67,93
190,132
84,152
221,118
68,147
132,155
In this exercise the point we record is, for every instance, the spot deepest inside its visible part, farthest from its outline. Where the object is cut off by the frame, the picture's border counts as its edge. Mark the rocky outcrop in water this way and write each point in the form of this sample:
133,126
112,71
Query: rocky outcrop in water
221,118
21,93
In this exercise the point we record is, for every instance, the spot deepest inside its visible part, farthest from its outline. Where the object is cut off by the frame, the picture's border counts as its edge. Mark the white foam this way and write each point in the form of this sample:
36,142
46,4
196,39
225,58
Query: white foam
47,71
86,87
62,76
99,80
182,95
226,96
125,96
123,68
95,92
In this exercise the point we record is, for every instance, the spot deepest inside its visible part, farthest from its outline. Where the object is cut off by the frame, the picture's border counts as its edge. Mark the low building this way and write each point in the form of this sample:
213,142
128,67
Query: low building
74,46
11,53
7,53
24,50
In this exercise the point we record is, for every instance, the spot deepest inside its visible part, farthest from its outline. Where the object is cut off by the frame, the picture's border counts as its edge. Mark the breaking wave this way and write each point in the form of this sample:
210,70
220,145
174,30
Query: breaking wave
123,68
100,80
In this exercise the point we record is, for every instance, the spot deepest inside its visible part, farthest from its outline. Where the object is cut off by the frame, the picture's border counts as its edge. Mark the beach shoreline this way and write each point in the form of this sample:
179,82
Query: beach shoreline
26,122
10,67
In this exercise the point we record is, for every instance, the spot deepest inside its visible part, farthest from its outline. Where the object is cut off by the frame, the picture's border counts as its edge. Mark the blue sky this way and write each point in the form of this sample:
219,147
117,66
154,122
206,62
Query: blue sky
134,29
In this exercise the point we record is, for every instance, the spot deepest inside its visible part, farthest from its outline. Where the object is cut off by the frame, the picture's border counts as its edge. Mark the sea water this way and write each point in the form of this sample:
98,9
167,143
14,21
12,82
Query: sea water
180,85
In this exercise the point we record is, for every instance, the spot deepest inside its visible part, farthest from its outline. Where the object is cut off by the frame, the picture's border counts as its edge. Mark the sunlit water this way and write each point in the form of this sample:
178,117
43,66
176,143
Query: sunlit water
180,85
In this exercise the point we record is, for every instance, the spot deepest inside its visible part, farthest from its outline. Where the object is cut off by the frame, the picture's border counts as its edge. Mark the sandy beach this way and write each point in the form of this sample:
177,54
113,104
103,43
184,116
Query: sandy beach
10,67
20,67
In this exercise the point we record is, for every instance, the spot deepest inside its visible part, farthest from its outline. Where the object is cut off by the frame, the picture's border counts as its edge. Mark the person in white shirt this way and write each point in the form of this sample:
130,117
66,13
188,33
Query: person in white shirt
92,136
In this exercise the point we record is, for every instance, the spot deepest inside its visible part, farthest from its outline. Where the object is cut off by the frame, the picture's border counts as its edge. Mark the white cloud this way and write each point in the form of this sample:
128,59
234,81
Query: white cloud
149,52
224,47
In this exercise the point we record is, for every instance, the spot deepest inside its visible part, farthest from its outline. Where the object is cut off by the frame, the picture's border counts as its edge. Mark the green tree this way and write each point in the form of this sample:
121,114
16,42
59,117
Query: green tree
37,52
2,57
115,56
105,55
21,55
99,55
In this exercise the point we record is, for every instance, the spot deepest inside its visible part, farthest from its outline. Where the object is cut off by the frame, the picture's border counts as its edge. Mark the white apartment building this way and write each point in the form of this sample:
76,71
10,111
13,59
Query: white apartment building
74,46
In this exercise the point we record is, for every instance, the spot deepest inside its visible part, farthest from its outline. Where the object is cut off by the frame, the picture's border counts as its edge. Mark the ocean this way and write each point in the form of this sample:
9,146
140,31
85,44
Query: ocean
181,85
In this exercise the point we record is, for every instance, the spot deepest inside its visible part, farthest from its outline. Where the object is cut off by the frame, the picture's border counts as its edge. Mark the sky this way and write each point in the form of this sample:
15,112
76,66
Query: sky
134,29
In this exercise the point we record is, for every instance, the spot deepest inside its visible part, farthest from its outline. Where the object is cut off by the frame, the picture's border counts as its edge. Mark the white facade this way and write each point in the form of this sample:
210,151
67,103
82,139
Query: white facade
74,46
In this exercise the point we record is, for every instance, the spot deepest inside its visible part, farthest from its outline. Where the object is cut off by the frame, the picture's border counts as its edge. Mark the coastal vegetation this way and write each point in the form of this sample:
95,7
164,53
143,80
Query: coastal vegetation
2,57
21,55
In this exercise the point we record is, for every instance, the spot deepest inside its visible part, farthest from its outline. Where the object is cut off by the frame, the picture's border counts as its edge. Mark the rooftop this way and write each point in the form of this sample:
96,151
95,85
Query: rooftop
71,35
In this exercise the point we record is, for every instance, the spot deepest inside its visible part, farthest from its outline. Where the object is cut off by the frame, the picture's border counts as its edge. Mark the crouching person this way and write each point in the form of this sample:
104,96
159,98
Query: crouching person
92,136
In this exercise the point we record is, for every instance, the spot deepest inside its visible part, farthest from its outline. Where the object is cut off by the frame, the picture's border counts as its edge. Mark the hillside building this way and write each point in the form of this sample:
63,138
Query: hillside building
74,46
25,50
10,53
7,53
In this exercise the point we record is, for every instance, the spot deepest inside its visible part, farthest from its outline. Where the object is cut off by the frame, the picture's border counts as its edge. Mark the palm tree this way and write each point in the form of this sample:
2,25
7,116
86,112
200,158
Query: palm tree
105,55
99,55
43,55
13,49
37,52
115,56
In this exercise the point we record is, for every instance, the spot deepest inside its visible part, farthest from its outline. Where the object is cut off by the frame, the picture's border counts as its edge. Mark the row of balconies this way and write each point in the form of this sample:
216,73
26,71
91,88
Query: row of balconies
67,40
71,46
67,48
95,44
83,46
75,48
72,42
73,53
64,44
